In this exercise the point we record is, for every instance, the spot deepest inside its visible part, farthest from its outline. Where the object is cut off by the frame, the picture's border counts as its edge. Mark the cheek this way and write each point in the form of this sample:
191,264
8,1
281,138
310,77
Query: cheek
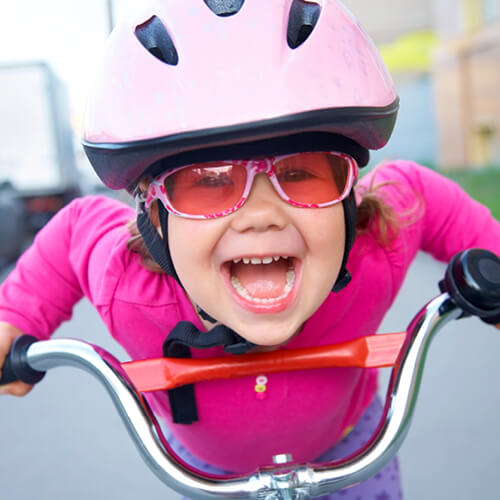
191,247
178,236
327,245
185,246
327,234
336,240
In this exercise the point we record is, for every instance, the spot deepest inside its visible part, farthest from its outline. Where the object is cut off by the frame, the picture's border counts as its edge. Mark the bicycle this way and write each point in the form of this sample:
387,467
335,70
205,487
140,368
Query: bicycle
470,286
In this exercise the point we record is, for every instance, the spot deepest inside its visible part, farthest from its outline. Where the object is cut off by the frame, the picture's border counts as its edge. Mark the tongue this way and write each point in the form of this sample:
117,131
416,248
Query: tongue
264,281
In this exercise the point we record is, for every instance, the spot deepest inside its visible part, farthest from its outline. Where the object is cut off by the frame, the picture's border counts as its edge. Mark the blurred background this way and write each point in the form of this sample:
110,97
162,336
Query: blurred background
444,56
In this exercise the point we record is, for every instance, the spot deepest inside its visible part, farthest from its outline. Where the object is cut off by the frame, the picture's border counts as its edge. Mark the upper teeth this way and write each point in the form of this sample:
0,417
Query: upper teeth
256,260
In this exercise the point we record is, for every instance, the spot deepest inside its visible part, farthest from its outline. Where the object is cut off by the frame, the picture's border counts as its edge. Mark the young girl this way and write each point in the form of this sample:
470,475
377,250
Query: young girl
239,128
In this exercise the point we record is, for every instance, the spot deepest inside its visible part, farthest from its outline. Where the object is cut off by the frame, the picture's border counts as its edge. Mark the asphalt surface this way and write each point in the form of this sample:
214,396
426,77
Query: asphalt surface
65,440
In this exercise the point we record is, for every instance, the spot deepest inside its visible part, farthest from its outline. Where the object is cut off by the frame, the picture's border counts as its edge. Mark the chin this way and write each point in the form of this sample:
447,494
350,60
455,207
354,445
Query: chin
277,338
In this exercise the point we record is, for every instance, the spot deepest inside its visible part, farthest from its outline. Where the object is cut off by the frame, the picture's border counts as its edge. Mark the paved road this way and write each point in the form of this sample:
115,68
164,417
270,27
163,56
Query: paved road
64,440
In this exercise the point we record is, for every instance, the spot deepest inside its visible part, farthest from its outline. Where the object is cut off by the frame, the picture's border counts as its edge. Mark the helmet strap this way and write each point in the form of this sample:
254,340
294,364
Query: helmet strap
350,214
157,246
163,215
183,336
205,315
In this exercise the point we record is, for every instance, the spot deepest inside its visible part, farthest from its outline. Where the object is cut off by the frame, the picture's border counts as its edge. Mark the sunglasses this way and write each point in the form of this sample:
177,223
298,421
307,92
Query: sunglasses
214,189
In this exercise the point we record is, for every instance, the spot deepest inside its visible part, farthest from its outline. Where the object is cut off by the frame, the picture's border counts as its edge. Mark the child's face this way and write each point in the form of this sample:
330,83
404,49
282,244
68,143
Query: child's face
266,303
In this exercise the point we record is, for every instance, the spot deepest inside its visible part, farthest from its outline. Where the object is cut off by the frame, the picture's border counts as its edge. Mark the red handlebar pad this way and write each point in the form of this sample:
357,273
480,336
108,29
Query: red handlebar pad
373,351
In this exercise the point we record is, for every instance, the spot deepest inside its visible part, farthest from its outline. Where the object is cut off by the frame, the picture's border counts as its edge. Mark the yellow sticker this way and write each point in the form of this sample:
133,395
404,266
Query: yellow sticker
347,431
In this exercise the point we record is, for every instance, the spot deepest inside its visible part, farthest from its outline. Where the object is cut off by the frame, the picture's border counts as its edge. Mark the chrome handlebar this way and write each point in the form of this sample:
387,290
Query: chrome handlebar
470,287
282,481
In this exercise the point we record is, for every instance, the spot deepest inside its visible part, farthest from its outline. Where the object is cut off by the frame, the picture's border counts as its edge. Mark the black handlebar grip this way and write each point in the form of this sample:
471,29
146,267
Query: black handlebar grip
472,280
16,365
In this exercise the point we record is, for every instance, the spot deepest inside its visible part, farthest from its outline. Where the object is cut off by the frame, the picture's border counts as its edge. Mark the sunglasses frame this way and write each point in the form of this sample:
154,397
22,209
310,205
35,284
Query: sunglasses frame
157,191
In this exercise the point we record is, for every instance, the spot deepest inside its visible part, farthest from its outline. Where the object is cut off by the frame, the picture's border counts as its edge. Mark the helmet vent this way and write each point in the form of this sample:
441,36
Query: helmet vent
224,8
155,38
304,15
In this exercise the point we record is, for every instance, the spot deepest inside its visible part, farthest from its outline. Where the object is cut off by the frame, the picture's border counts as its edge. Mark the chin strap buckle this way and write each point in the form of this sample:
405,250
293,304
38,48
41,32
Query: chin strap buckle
239,348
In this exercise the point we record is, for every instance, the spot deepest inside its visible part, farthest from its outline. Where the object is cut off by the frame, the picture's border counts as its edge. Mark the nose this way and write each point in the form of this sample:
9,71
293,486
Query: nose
262,210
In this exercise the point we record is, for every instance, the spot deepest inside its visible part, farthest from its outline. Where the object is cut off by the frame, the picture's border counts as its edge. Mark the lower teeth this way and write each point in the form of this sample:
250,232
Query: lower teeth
242,291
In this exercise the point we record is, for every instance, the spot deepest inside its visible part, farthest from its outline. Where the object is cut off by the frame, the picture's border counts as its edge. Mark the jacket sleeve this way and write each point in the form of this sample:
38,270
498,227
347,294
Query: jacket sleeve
437,215
66,261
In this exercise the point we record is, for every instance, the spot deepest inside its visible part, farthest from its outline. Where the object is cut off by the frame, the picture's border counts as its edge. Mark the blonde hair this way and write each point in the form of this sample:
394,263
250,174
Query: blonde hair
374,215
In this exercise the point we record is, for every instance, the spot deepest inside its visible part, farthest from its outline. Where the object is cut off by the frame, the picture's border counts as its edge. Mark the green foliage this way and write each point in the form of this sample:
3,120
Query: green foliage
483,185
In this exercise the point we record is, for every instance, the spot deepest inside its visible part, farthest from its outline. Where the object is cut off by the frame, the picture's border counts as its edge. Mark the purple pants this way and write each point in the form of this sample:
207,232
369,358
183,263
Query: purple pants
385,485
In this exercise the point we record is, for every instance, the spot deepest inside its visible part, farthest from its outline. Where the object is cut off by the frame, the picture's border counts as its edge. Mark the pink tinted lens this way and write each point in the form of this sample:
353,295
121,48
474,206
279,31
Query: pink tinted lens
313,178
206,189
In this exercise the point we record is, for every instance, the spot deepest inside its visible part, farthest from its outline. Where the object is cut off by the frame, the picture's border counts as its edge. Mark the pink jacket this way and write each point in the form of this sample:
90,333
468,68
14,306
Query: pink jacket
82,252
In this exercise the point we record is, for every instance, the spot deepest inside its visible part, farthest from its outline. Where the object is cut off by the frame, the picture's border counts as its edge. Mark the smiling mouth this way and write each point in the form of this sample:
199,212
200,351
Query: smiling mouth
263,281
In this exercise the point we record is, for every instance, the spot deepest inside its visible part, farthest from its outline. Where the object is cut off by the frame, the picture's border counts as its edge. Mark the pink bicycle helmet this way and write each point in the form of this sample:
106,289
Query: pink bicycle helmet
182,81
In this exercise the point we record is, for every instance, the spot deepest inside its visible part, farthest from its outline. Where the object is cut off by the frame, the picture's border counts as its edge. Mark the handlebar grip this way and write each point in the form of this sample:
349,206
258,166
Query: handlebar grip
16,365
472,280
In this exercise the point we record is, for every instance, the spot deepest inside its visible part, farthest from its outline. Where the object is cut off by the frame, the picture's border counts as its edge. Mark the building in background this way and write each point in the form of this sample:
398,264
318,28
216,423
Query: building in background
388,20
38,174
403,31
444,56
467,82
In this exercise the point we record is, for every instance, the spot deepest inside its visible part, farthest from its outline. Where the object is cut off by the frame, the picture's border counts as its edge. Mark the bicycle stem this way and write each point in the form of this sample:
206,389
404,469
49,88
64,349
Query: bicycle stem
280,482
